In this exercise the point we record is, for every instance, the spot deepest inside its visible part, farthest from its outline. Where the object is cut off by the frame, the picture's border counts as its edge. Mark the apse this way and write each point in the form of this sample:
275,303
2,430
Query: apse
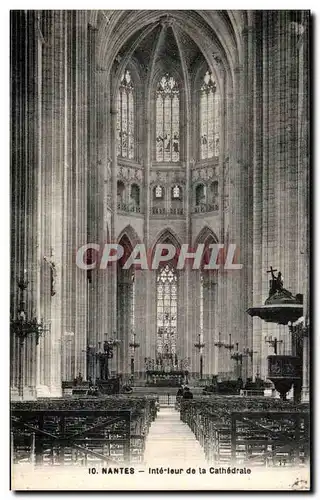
181,128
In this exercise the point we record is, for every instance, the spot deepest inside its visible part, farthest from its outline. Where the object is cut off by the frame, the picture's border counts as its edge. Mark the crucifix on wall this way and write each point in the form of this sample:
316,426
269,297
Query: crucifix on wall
53,272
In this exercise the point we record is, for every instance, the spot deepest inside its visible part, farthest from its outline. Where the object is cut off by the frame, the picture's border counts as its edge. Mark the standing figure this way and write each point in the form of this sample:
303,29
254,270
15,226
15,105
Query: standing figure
187,394
279,281
53,272
175,143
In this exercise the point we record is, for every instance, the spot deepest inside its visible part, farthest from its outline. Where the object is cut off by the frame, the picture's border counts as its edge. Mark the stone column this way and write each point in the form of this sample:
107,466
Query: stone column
187,286
188,334
141,326
246,274
187,348
235,288
209,330
97,203
124,297
63,199
305,368
258,123
150,276
26,164
55,115
81,165
151,307
304,190
114,173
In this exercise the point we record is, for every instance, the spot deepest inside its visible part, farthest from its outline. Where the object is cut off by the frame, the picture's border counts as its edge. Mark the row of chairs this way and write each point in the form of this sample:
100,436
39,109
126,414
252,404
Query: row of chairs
256,432
95,435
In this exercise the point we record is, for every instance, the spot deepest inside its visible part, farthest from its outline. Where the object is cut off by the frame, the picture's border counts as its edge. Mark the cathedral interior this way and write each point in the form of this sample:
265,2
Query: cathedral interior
158,127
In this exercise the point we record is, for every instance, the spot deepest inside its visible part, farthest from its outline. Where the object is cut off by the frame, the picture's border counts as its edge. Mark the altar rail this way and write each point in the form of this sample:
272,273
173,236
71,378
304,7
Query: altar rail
252,392
166,399
81,436
266,438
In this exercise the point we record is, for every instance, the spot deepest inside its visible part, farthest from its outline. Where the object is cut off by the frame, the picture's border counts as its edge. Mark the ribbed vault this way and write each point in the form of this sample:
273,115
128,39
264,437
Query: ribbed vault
213,35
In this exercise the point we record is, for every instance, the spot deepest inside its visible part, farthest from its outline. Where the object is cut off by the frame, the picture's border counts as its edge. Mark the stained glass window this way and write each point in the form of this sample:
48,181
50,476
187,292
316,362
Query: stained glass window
158,192
168,120
209,118
176,192
166,311
125,117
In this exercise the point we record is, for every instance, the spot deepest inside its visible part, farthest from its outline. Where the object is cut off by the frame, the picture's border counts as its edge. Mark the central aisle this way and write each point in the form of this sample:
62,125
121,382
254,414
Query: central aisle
170,441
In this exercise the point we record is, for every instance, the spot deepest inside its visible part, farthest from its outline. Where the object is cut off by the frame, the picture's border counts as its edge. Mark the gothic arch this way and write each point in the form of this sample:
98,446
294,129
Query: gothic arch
199,72
208,237
124,61
160,69
130,63
196,84
213,32
167,235
125,297
130,234
205,234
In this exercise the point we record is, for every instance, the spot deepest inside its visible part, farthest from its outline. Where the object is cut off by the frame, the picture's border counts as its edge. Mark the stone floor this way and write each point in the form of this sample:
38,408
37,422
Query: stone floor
170,442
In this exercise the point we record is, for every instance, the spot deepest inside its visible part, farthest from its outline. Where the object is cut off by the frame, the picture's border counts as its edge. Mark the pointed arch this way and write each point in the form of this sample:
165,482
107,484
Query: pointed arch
208,113
167,313
199,72
205,235
126,116
126,293
167,235
168,118
124,60
208,237
131,235
162,69
167,286
204,26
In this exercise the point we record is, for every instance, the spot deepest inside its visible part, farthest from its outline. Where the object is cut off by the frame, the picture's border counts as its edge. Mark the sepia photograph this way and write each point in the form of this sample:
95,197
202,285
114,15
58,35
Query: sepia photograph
160,221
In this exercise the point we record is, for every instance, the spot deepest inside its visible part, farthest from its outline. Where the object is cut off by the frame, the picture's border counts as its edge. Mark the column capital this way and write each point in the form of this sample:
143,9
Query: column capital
248,30
217,59
238,69
209,280
100,69
92,27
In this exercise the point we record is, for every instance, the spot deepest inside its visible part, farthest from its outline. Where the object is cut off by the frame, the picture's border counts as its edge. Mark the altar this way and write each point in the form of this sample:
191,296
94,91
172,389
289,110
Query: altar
174,378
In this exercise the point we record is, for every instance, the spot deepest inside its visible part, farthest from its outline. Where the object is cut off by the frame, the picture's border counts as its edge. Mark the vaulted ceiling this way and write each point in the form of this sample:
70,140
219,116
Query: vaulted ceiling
175,37
168,47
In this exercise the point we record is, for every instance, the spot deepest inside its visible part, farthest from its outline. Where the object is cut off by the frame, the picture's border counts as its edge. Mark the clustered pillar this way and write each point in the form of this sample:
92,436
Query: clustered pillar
51,194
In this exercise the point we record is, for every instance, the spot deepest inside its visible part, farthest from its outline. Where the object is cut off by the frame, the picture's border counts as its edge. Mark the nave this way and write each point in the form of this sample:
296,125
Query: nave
163,151
157,129
171,442
138,430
